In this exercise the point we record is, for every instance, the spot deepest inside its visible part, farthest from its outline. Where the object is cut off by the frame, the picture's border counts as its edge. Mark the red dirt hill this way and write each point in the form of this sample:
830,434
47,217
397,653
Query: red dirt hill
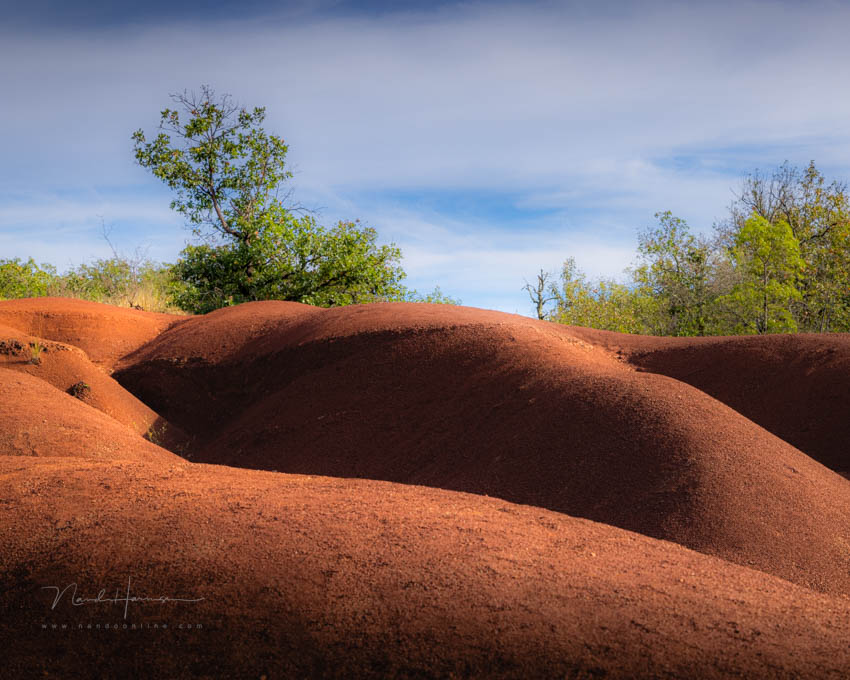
104,332
317,577
501,405
37,419
796,386
64,366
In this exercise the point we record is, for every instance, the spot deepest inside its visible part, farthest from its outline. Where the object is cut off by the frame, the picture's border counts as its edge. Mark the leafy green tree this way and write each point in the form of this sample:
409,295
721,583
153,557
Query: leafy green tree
602,303
675,270
818,213
293,258
435,297
227,172
225,169
767,255
821,223
27,279
779,262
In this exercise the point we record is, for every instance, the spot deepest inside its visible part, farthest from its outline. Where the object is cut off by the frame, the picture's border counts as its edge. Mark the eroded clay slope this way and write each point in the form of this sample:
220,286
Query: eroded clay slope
104,332
68,369
314,577
37,419
797,386
500,405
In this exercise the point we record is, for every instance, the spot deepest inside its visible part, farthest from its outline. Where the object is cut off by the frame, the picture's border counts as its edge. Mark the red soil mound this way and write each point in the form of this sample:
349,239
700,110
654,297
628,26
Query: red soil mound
317,577
234,332
501,405
104,332
64,367
796,386
256,329
36,419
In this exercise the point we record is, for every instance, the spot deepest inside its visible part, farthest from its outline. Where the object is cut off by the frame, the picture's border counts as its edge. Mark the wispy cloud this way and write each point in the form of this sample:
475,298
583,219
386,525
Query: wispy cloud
68,229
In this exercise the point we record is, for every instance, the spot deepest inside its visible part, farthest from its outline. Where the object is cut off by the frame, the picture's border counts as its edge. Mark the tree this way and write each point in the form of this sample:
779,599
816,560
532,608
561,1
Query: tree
26,279
779,262
227,172
675,269
295,259
818,214
541,293
603,303
435,297
225,168
767,255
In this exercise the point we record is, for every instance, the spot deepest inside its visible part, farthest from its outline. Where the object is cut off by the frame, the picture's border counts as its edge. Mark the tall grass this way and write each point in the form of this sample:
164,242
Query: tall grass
134,283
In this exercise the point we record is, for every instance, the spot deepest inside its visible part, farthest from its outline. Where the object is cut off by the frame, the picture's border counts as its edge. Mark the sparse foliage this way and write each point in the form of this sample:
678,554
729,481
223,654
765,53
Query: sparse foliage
81,390
435,297
541,293
36,350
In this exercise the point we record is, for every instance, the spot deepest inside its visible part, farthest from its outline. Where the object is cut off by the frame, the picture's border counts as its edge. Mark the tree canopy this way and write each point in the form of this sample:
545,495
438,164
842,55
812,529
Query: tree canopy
767,256
227,173
225,169
674,269
779,262
26,279
291,258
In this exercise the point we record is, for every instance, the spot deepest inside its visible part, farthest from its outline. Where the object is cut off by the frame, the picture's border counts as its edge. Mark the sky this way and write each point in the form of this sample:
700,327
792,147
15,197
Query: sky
487,140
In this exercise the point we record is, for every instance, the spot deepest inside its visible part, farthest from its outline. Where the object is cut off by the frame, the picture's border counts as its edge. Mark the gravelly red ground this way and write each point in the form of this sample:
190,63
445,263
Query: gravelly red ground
339,577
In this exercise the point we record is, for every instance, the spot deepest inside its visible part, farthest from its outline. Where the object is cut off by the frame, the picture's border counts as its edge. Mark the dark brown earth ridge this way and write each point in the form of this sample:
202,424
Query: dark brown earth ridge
405,490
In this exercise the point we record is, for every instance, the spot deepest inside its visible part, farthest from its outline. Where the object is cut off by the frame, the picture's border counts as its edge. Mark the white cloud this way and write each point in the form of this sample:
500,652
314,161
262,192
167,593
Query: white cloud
66,231
487,267
50,209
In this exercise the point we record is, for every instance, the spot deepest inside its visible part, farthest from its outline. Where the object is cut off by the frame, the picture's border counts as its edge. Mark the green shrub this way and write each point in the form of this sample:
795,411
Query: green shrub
141,284
27,279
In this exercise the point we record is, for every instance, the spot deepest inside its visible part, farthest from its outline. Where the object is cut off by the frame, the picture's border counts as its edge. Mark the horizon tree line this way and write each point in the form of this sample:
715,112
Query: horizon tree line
779,262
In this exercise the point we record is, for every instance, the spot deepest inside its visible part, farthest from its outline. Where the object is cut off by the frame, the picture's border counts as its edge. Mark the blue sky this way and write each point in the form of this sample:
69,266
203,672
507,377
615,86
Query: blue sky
487,140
